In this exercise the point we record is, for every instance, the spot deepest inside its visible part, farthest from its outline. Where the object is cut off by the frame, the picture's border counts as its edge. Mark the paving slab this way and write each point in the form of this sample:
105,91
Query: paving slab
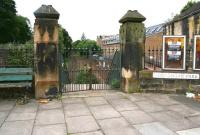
113,123
149,106
46,117
104,111
17,128
195,119
90,133
3,116
165,101
21,116
183,110
81,124
122,131
123,105
165,116
194,131
6,105
137,117
72,100
30,107
79,109
137,97
93,101
115,95
59,129
155,128
177,125
51,105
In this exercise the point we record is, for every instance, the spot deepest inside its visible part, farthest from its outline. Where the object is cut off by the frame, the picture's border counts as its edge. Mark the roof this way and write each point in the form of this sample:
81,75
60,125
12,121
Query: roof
154,29
132,16
46,11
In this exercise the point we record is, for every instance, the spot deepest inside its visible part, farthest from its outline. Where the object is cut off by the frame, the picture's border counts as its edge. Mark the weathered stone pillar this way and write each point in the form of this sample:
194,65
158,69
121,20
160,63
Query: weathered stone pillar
132,39
46,51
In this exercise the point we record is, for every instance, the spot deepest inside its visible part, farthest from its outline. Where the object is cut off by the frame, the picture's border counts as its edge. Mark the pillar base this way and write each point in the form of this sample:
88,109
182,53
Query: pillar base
45,89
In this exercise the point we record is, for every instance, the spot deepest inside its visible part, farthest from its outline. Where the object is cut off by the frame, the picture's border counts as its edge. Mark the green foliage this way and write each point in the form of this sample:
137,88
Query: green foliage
7,8
85,77
115,84
65,40
20,55
13,28
188,5
89,44
86,47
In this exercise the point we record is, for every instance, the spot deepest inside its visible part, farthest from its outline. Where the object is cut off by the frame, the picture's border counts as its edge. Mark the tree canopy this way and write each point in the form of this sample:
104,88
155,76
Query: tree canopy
89,44
188,5
65,41
13,27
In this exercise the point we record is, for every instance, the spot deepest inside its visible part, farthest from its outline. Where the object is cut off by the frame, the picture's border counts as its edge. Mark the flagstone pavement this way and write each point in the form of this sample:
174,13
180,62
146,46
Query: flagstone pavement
103,113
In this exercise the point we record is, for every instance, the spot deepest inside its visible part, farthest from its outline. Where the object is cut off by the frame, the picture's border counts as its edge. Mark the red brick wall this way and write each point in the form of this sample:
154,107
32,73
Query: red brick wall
153,42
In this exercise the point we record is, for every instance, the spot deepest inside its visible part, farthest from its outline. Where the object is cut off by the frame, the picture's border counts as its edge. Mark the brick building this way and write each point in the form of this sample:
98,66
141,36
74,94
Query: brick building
154,38
109,41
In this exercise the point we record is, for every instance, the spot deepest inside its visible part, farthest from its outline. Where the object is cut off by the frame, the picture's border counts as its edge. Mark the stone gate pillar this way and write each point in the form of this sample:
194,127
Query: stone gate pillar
46,51
132,39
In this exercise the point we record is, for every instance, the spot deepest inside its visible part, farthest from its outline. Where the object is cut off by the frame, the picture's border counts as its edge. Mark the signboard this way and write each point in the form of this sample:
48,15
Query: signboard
196,53
174,50
175,75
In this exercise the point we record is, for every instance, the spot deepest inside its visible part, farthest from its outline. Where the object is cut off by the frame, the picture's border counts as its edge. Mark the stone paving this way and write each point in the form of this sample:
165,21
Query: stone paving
102,113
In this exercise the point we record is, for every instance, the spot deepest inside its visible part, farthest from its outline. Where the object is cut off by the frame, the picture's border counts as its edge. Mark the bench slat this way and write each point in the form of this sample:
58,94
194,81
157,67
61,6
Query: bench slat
16,70
15,85
14,78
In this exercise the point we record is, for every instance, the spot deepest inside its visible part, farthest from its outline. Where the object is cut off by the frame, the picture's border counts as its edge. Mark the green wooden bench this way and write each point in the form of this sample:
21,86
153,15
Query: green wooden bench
16,77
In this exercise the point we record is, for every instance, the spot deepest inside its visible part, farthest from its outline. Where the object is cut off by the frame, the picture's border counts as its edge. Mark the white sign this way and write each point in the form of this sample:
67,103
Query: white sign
175,75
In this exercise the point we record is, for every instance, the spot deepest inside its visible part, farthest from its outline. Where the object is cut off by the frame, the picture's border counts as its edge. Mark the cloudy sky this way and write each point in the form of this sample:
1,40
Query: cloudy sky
100,17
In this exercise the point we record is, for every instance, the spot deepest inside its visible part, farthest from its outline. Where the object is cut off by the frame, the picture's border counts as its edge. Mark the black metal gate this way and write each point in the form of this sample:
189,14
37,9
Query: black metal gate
89,69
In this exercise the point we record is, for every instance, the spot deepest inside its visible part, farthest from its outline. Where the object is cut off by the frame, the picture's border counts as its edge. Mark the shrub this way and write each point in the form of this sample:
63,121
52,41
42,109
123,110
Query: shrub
20,56
85,77
115,84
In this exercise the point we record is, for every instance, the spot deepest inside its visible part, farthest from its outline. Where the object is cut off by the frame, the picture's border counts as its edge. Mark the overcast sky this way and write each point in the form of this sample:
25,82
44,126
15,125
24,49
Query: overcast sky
100,17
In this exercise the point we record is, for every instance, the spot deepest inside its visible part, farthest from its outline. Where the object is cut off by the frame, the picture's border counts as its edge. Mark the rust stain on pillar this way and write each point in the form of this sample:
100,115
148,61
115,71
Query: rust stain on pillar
46,50
132,38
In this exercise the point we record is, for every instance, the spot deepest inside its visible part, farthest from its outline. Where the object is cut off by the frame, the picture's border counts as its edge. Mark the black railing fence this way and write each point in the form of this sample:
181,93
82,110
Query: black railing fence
16,57
153,58
90,69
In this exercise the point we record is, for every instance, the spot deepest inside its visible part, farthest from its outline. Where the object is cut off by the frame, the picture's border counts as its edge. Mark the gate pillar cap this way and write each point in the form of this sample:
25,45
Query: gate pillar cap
132,16
46,11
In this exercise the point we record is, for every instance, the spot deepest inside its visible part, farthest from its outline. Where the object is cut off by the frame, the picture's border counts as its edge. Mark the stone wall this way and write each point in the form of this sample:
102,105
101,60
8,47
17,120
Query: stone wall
150,84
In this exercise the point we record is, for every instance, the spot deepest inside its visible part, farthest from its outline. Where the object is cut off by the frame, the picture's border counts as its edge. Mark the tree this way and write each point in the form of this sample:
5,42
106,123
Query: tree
188,5
22,29
83,37
65,41
13,28
89,44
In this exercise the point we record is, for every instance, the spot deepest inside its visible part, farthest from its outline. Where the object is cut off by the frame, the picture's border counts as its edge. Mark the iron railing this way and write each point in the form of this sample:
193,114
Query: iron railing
16,57
153,59
89,69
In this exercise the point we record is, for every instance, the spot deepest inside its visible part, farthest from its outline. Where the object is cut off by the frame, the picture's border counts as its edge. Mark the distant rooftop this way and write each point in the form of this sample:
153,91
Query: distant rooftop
149,31
154,29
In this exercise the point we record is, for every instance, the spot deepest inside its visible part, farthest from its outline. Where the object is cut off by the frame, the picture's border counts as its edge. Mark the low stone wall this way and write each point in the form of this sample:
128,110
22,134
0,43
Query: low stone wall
150,84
